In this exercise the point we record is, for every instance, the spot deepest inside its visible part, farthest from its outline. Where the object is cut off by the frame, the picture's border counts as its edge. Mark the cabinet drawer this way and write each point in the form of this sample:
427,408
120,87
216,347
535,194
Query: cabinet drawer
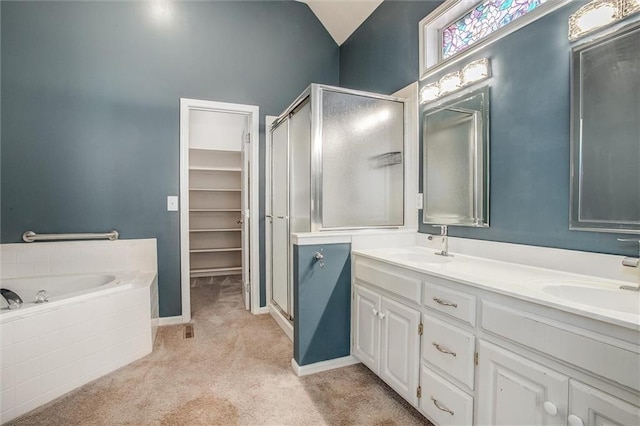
443,402
455,303
581,348
448,348
387,278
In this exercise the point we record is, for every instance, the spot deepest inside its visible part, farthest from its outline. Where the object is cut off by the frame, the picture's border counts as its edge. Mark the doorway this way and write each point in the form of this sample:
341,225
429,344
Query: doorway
219,198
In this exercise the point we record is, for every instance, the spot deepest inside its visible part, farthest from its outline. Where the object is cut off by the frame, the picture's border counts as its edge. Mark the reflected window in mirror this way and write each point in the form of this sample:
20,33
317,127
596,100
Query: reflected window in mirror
605,141
456,161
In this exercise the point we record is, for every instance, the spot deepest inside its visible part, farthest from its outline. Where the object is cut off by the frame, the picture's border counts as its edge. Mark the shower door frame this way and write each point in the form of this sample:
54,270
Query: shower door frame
316,91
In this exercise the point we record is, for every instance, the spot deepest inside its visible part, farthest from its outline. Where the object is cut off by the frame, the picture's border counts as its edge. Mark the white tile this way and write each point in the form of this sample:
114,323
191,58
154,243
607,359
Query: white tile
57,261
6,333
27,406
53,379
25,269
49,321
7,400
28,349
8,269
51,341
54,360
7,356
5,416
9,253
27,391
27,370
37,254
27,328
7,378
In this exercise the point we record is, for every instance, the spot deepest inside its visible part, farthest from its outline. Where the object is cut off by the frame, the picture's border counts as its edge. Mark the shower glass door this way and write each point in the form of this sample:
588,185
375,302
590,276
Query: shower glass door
280,218
361,162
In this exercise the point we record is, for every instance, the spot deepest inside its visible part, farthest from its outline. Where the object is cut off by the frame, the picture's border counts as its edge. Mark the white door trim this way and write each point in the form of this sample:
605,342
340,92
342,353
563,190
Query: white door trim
252,112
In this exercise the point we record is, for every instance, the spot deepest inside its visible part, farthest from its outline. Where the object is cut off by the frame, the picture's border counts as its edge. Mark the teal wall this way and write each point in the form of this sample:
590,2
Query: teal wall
530,117
90,107
322,303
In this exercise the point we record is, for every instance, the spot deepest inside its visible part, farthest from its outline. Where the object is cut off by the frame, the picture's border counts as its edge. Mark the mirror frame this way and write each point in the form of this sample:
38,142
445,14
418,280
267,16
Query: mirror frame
481,162
575,224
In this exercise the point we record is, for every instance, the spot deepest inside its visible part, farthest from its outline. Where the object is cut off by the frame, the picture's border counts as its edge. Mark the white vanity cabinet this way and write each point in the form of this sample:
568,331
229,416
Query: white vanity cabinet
489,358
513,390
385,339
386,326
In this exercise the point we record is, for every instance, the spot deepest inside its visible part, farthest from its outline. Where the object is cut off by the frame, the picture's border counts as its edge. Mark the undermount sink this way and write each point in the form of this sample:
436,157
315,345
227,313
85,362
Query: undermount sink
606,298
422,257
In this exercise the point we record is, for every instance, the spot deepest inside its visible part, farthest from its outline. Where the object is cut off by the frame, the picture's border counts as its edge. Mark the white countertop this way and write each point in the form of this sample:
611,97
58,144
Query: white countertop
515,280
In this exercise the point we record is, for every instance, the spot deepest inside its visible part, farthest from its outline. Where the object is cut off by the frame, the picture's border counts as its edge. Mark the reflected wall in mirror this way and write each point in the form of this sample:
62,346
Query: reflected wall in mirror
456,161
605,142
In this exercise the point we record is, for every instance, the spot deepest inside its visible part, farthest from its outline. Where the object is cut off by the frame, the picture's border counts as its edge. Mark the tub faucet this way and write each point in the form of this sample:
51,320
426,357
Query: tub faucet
631,262
445,241
12,298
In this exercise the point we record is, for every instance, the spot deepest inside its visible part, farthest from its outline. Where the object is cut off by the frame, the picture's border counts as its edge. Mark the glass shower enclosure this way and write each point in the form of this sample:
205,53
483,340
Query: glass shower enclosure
336,164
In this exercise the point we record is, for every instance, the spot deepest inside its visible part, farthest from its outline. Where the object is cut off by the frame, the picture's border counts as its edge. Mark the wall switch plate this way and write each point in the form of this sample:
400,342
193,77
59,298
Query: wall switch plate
419,201
172,203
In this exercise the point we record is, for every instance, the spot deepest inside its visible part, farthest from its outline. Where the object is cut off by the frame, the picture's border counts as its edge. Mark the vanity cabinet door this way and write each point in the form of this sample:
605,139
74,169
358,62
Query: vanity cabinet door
366,329
400,349
513,390
592,407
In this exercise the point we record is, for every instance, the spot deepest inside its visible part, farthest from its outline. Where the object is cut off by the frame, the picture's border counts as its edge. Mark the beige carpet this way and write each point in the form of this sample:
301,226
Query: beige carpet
235,371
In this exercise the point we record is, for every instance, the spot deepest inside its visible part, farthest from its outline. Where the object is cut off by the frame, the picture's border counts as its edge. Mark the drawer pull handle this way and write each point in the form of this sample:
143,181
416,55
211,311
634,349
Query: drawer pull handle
375,312
444,303
443,350
381,315
440,407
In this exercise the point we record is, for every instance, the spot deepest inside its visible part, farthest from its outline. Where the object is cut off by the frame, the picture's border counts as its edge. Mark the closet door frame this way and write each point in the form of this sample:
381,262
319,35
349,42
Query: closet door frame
253,113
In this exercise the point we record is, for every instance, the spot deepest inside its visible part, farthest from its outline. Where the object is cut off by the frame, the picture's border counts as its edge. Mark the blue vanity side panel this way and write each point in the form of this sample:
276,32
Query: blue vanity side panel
322,304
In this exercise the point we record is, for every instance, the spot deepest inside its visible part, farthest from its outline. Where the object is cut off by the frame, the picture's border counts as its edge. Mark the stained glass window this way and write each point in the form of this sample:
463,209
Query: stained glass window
481,21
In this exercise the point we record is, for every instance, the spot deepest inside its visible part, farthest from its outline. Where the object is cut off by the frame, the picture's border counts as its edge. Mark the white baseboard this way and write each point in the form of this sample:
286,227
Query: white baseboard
170,320
262,310
321,366
284,323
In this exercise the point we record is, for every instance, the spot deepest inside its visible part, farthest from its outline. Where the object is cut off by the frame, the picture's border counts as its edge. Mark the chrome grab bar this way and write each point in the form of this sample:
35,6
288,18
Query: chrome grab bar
30,236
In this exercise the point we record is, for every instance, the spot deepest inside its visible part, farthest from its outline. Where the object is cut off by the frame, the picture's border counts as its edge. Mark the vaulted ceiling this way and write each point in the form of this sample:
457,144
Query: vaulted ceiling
342,17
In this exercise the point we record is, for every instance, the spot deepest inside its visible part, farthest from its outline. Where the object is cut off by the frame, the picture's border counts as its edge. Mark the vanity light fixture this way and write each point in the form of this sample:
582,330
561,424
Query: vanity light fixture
598,14
450,83
472,73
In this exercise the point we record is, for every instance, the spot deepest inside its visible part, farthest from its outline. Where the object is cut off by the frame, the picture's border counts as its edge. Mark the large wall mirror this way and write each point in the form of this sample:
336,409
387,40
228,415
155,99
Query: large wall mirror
605,166
456,161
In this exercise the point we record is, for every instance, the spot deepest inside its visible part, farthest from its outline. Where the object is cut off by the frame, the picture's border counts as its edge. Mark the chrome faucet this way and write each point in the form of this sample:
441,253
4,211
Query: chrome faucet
445,241
631,262
12,298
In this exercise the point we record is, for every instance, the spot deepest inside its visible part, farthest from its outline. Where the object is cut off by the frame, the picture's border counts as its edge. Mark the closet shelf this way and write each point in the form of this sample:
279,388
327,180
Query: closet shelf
215,169
216,230
215,250
215,210
224,270
215,189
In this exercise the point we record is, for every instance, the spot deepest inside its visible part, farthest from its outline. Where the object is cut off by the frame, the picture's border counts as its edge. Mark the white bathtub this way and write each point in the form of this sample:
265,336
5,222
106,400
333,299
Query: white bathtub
93,324
58,287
